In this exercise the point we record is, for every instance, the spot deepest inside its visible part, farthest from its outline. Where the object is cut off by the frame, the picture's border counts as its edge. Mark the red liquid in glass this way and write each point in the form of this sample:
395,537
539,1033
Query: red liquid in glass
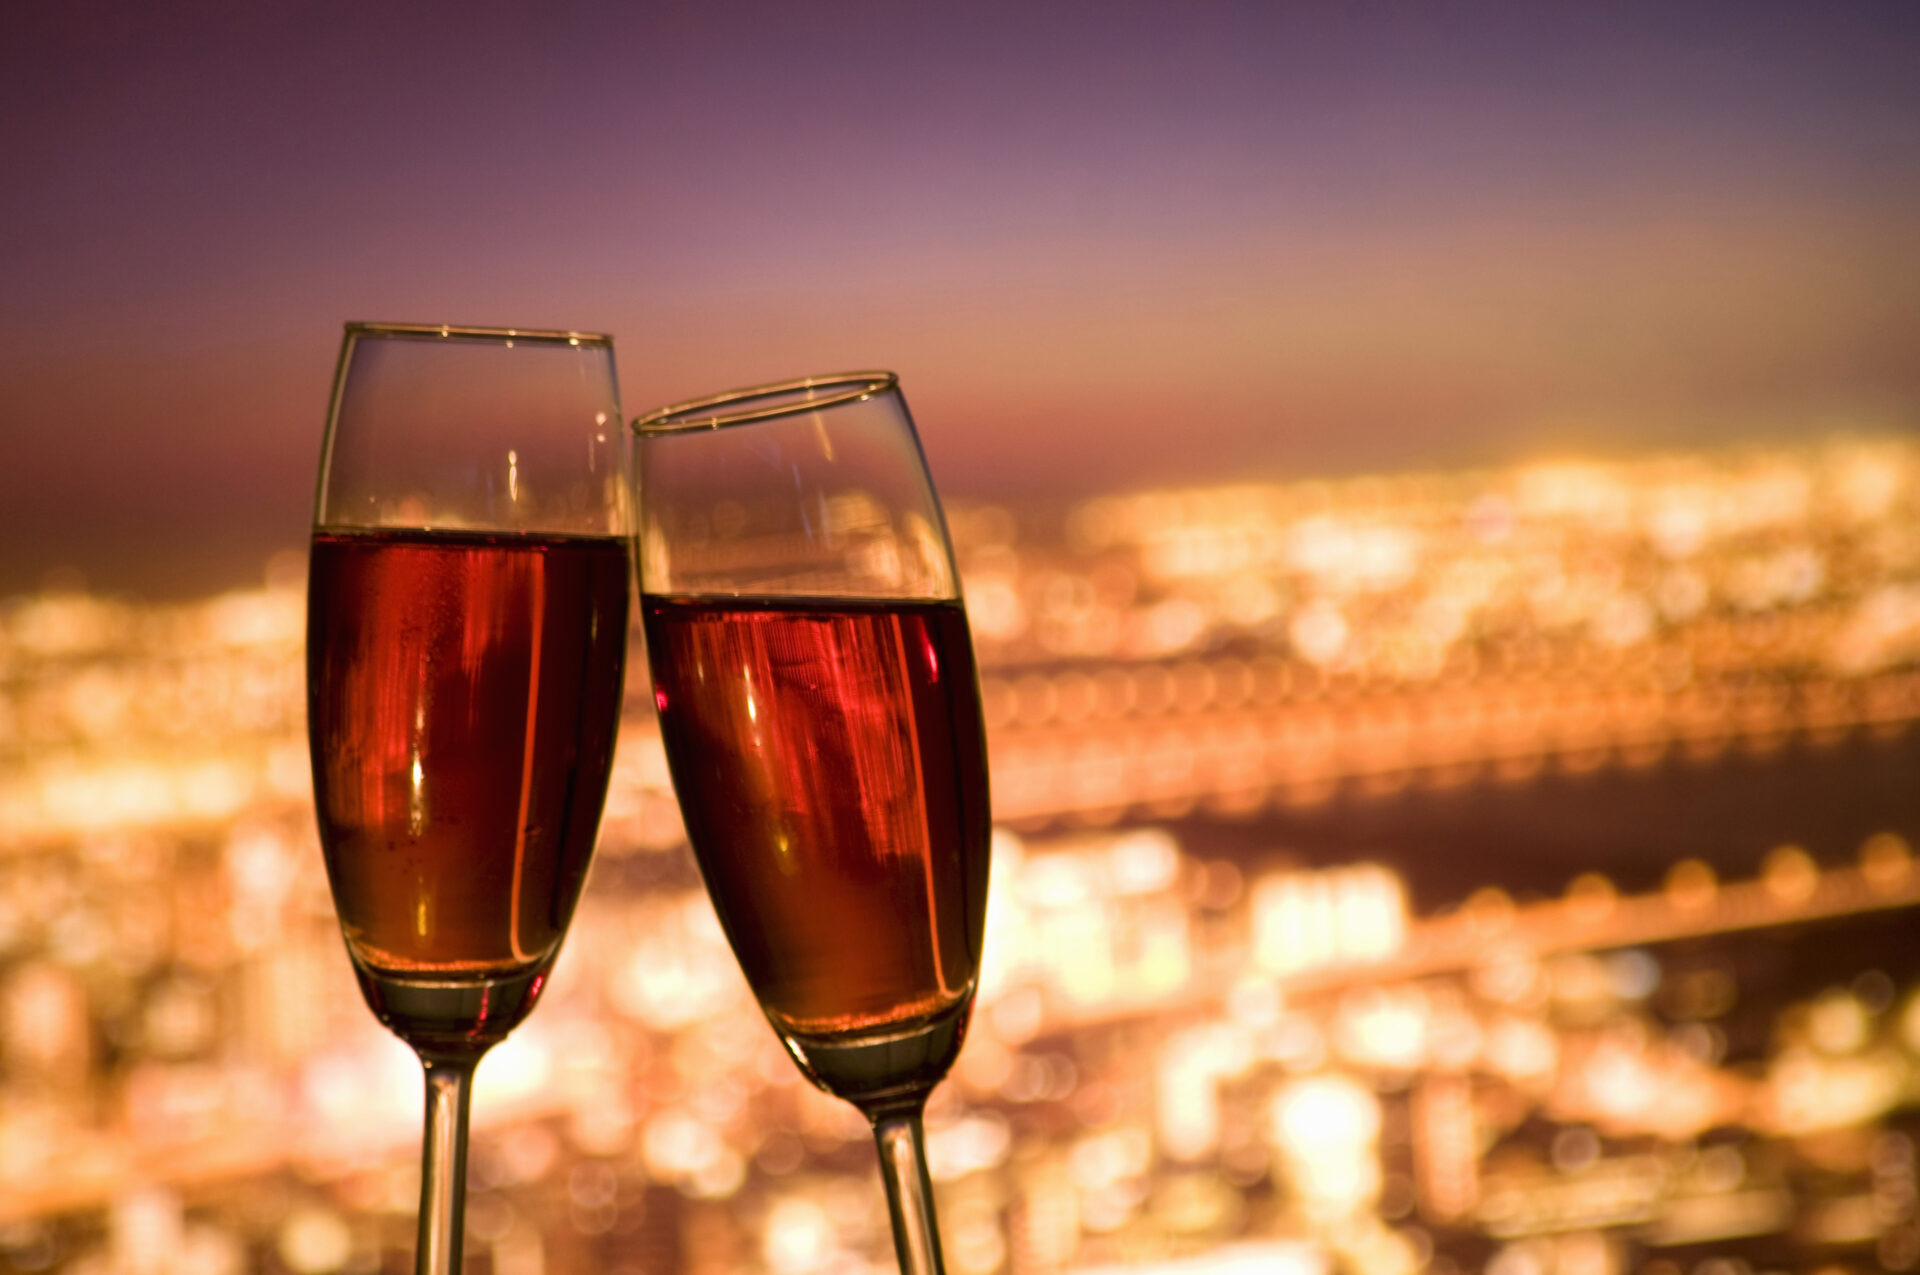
831,769
463,699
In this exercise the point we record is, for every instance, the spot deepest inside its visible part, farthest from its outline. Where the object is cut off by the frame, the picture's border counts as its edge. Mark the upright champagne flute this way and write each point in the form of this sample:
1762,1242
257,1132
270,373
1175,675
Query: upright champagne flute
815,681
466,641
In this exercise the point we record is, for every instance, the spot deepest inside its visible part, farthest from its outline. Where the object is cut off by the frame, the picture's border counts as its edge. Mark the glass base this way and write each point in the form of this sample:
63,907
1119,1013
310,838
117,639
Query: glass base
890,1068
452,1018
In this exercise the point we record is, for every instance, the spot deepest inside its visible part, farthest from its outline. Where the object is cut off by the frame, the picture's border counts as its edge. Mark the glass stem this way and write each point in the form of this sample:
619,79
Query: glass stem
443,1167
903,1166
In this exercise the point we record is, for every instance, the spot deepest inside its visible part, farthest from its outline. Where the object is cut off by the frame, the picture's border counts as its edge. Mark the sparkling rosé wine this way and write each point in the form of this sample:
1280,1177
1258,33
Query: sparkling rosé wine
464,694
830,765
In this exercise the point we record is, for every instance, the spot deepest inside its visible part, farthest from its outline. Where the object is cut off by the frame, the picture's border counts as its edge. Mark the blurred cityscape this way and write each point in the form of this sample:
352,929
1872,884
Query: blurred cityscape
1212,1037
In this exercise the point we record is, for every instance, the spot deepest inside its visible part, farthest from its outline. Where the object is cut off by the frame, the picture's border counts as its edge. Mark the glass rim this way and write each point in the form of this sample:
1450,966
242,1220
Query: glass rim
468,332
765,402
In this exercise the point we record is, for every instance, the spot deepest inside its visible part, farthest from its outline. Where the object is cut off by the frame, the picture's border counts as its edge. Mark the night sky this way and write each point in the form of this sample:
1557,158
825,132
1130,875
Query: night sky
1106,245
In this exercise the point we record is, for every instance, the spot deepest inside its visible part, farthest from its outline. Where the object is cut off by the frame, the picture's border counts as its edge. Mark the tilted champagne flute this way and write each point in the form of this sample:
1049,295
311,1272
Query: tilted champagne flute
466,641
815,680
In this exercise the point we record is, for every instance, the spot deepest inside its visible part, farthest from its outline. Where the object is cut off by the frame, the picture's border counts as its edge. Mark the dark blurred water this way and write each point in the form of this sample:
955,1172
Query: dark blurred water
1533,837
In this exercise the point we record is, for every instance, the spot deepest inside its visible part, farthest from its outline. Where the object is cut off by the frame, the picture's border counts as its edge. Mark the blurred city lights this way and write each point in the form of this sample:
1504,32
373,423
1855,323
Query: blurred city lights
1186,1058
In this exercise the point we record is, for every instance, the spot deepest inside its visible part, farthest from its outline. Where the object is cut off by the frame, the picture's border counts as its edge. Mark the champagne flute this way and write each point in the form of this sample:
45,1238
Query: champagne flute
466,640
821,715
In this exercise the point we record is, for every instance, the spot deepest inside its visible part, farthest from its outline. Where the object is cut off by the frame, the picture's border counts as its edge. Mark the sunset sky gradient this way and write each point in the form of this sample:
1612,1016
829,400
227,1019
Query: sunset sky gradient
1105,245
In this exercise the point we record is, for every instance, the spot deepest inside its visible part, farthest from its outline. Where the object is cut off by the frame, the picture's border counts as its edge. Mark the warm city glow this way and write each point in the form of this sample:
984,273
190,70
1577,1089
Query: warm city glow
1187,1057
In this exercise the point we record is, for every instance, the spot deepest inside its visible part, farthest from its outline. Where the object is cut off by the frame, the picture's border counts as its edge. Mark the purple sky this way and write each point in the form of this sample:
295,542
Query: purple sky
1104,244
